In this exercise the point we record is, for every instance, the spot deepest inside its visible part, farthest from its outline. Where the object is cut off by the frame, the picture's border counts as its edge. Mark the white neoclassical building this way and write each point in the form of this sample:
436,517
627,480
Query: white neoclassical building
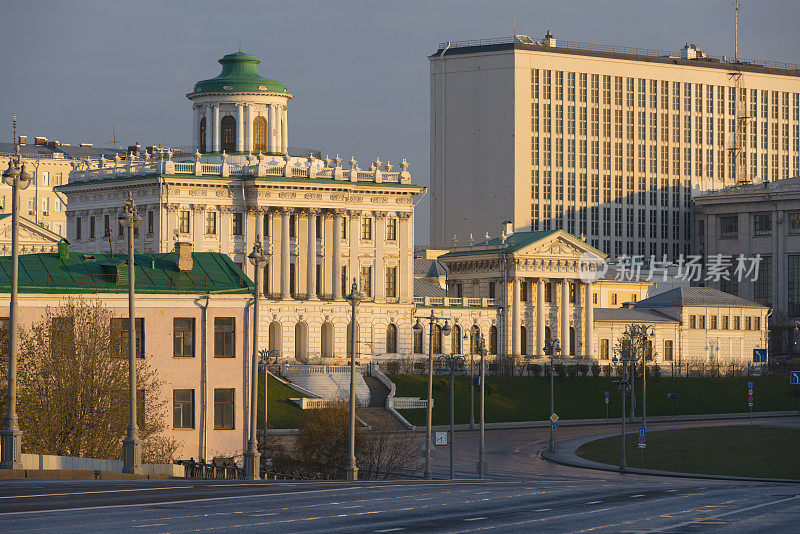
240,110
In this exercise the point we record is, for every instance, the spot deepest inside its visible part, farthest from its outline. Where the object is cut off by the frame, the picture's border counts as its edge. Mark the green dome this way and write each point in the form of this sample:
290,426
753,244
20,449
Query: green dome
239,75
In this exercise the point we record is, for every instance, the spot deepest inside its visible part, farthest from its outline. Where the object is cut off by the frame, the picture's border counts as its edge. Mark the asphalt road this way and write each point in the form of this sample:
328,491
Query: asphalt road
525,493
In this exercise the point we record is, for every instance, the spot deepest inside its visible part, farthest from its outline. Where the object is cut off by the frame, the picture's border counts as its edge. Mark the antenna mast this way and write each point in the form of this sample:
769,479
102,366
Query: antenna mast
737,5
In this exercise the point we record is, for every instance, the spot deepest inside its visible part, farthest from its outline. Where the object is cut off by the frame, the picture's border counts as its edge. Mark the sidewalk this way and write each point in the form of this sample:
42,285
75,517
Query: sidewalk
566,455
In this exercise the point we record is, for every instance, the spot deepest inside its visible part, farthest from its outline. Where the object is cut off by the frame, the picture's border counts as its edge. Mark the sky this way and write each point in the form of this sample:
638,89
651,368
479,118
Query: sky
72,71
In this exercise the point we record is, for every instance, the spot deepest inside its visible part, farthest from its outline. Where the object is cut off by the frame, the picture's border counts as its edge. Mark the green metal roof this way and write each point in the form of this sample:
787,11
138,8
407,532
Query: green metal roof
211,272
239,74
513,243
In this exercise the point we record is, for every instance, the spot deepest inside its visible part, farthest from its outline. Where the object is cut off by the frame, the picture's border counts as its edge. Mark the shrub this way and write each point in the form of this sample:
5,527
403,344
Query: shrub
490,388
561,370
442,384
583,369
595,370
607,371
656,370
572,372
535,369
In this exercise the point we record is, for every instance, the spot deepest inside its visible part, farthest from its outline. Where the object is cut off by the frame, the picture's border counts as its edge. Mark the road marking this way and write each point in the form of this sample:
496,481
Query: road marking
264,515
92,492
395,529
476,518
150,525
425,499
717,516
636,496
482,492
349,507
594,502
671,490
543,510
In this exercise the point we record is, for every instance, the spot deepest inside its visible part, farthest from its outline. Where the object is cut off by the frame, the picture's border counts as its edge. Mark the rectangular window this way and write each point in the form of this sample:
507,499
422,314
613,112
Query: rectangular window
713,322
237,223
211,223
737,323
183,222
150,222
667,350
762,224
391,282
701,322
91,227
119,335
292,226
692,322
491,290
106,225
183,337
366,228
182,408
794,284
224,337
604,349
391,229
78,228
729,226
292,280
223,408
366,281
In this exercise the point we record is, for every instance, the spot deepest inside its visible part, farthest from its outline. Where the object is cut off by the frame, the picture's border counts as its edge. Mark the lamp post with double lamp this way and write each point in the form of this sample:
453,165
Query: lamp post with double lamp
11,436
354,298
429,415
452,363
481,446
468,338
131,445
624,357
252,457
551,347
265,360
643,332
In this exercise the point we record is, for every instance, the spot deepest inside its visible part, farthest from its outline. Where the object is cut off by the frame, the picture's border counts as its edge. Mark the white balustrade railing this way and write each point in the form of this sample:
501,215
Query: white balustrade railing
407,403
453,301
296,370
184,168
473,301
419,300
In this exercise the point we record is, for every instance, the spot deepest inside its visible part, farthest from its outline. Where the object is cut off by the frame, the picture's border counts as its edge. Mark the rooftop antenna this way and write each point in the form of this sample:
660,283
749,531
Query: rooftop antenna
240,44
14,129
114,135
737,6
515,30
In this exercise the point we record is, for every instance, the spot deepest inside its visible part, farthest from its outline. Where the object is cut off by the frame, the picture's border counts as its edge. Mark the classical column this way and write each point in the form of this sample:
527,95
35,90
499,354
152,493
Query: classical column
239,128
271,128
405,275
215,122
196,127
284,130
380,261
311,261
539,317
565,317
225,229
588,348
337,254
285,214
198,212
209,112
355,240
249,128
515,318
259,225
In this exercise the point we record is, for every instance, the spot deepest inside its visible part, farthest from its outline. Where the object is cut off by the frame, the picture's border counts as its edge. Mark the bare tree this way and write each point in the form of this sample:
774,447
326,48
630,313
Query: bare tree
73,387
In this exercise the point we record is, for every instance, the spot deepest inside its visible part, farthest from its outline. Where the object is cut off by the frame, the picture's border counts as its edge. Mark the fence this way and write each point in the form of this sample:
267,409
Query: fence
215,469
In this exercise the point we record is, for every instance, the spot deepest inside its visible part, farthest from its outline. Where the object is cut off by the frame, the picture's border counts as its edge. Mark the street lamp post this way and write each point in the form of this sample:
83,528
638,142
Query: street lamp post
551,347
452,363
11,436
354,298
429,412
481,446
471,383
131,445
644,332
252,457
623,385
265,361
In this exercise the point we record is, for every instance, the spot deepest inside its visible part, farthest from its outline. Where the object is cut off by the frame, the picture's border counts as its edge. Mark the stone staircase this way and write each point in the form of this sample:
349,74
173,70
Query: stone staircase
375,414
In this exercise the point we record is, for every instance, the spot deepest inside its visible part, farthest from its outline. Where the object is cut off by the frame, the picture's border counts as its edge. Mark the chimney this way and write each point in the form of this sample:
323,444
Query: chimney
689,51
40,141
23,139
183,255
508,228
549,40
63,249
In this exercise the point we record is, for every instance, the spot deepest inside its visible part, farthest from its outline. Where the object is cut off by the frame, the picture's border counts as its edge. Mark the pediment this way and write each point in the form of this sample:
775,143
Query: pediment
29,233
560,245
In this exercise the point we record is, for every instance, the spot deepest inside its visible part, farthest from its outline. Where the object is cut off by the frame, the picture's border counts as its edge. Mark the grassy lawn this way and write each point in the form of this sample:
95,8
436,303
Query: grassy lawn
750,451
528,399
283,413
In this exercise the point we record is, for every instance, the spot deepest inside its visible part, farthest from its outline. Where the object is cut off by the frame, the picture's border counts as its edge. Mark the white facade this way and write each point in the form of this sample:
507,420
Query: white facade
603,144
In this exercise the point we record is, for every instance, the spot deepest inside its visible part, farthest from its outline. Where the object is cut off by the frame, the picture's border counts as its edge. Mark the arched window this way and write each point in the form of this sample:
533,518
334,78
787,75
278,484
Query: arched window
202,142
455,340
437,339
493,340
391,338
572,341
275,336
474,339
228,133
327,340
417,341
523,340
301,341
260,134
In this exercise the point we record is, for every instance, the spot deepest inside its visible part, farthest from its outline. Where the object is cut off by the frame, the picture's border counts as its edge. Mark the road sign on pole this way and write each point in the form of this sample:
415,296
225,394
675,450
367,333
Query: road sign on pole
554,418
440,438
794,377
759,355
554,425
642,437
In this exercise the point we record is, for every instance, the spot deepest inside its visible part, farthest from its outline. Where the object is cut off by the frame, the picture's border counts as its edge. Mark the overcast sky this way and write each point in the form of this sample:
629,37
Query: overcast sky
358,70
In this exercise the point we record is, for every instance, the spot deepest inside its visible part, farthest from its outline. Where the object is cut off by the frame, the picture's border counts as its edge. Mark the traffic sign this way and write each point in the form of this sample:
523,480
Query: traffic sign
476,380
749,385
642,437
750,392
607,400
554,425
672,396
759,355
554,418
440,438
794,377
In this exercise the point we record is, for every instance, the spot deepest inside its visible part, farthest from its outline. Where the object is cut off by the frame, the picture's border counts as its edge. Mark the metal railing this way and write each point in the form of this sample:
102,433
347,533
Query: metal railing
215,470
173,280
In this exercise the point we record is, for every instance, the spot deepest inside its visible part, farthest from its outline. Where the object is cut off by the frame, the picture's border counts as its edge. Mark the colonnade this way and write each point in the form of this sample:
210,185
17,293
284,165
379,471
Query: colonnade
277,136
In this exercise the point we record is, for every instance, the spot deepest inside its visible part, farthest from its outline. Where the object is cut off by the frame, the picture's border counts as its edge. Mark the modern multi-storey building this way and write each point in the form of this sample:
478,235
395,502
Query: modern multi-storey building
606,142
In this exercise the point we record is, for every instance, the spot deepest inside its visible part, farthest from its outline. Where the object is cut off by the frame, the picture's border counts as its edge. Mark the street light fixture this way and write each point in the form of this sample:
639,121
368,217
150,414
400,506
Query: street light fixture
481,446
11,436
264,360
354,298
468,339
551,347
624,357
252,457
643,332
131,445
452,363
429,416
